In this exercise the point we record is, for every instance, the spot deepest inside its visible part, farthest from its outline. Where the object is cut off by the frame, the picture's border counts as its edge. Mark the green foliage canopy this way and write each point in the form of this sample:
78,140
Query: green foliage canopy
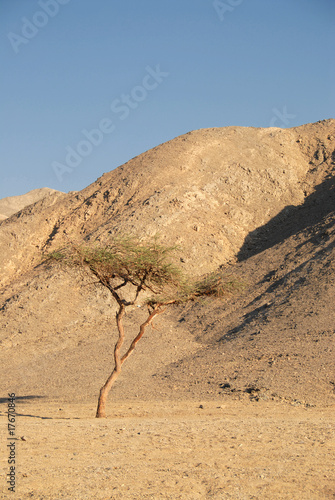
147,266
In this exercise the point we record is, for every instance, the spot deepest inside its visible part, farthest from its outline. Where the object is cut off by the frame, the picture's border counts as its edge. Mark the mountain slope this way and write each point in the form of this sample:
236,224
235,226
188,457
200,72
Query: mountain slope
206,191
275,341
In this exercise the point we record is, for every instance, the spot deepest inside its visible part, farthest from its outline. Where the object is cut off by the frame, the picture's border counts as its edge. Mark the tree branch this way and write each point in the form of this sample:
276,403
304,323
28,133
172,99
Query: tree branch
119,343
147,322
122,284
140,286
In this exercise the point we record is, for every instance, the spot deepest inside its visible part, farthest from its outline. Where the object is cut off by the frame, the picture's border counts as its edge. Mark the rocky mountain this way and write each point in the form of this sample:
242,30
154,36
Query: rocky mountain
259,203
206,191
13,204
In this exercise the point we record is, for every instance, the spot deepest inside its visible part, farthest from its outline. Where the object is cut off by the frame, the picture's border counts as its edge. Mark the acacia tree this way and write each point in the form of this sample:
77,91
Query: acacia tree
129,267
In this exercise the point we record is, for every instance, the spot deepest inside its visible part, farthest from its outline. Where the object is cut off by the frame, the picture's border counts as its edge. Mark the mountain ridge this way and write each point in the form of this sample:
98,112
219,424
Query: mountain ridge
13,204
205,191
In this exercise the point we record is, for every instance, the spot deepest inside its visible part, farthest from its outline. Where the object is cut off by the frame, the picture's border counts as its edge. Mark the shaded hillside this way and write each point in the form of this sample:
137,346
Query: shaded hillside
294,219
206,190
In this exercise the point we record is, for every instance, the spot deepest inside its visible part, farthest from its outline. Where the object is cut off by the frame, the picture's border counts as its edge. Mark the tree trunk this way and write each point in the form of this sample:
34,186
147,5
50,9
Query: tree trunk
104,391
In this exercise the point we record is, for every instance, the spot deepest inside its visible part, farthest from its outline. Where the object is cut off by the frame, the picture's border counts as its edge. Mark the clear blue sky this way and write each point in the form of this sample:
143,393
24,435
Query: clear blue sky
147,71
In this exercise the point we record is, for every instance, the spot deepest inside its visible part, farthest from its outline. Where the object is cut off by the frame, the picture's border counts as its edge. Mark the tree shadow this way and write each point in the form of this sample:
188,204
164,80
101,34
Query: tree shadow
46,418
21,398
292,220
33,416
4,401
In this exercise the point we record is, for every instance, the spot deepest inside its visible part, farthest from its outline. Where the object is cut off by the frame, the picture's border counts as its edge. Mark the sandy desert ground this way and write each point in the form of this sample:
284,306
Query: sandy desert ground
222,449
